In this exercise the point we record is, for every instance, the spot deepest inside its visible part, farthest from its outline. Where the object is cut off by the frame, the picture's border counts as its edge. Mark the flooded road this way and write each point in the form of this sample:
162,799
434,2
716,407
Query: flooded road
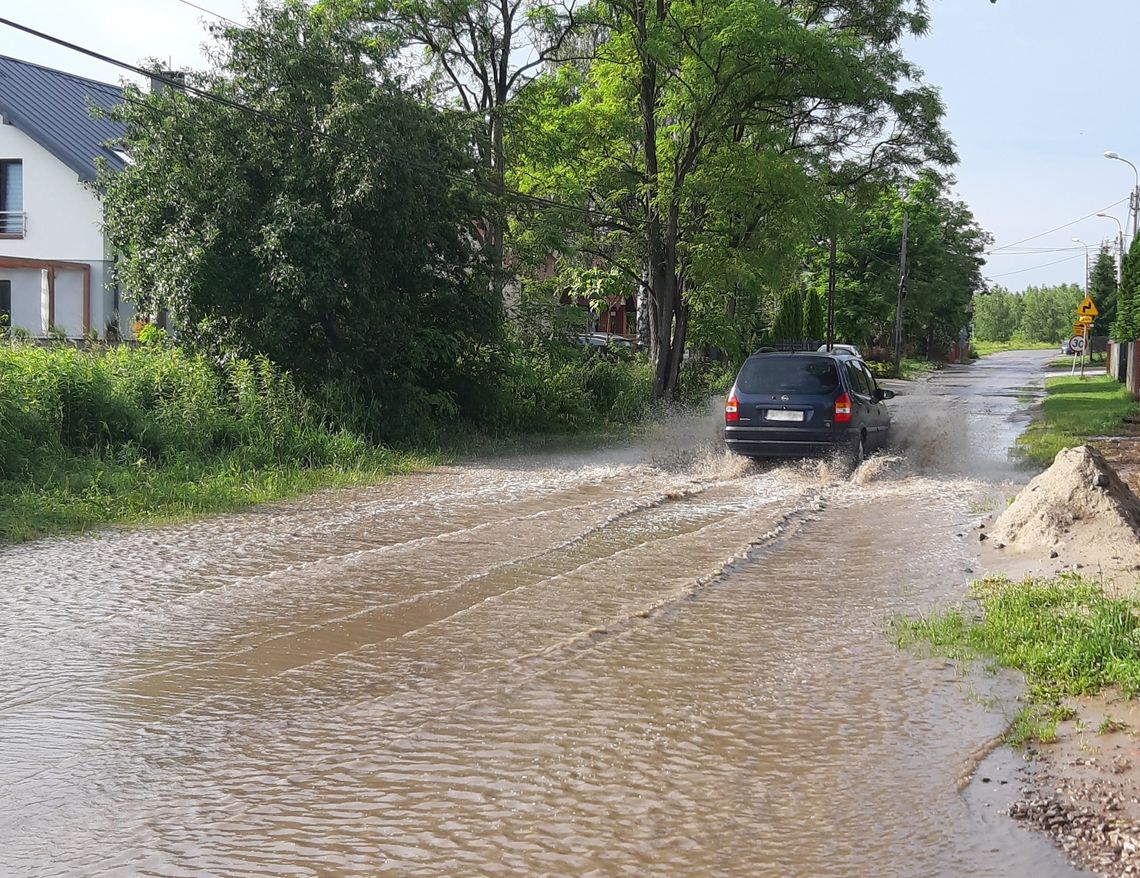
645,660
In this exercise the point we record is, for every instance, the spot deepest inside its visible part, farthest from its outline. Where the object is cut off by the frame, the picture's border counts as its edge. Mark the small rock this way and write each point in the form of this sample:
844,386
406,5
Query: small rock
999,545
1053,553
982,537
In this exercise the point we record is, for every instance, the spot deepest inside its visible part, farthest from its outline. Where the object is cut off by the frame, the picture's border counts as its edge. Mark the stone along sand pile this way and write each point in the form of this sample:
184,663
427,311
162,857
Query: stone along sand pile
1078,510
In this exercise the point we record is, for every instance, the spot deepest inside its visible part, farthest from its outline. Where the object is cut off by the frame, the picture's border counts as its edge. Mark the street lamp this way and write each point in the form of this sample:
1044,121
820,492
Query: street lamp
1119,243
1134,198
1086,246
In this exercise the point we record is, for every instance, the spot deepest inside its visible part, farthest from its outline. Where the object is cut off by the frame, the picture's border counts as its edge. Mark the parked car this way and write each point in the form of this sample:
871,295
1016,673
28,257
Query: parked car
1067,348
603,340
803,404
840,349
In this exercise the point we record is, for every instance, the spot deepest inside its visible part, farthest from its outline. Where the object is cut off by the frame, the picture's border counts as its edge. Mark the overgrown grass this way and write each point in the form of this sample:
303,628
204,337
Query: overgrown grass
128,435
1066,362
983,348
1073,409
85,493
1064,634
910,367
533,387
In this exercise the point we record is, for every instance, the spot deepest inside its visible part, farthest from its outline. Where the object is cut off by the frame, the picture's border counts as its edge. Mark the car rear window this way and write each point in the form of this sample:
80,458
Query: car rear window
788,375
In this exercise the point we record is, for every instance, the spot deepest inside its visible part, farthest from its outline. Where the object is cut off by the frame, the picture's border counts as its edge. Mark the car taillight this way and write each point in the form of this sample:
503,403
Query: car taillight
843,409
732,410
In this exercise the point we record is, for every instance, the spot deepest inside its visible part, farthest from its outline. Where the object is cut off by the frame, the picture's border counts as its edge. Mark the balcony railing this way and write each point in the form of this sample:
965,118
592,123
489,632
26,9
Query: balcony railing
13,224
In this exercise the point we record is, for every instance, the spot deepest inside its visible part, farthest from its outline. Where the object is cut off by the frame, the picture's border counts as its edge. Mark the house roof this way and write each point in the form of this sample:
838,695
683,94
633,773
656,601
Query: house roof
55,110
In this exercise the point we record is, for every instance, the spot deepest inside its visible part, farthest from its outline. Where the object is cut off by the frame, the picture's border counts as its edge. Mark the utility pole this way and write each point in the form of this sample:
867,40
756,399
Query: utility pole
1134,204
1119,245
831,296
902,297
1087,260
1134,197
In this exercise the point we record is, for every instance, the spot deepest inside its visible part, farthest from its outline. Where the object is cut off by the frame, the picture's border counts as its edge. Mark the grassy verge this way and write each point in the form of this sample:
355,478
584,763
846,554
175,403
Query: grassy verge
1063,634
83,493
1090,360
911,368
983,348
124,436
1074,409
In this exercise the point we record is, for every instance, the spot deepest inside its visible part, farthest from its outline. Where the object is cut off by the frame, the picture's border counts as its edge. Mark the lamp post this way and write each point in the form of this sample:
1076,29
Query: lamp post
1119,243
1086,246
1134,198
1085,334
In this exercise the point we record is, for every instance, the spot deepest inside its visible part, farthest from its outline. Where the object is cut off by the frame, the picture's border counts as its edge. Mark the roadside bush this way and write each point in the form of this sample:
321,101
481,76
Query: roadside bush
550,387
156,401
701,378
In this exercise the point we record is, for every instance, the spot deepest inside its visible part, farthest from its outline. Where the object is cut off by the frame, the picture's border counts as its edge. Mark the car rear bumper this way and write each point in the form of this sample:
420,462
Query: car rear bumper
776,442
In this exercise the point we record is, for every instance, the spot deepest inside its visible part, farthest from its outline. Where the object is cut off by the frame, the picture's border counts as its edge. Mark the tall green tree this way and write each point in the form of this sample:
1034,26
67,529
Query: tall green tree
944,258
815,317
694,119
997,314
479,54
1047,313
1102,289
329,226
789,322
1126,326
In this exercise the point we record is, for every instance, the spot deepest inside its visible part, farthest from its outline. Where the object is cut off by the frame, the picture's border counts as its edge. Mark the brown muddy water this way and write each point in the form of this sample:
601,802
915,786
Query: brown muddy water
645,660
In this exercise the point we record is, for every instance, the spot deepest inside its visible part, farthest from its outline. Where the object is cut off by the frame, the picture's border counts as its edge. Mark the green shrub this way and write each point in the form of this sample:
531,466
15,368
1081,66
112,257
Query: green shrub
553,388
701,378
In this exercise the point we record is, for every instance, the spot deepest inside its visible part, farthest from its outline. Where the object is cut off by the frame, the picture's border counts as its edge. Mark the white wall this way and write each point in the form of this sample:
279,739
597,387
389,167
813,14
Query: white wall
63,223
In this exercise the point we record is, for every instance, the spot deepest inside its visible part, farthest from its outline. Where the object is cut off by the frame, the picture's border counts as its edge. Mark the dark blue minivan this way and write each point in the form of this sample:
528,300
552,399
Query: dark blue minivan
803,404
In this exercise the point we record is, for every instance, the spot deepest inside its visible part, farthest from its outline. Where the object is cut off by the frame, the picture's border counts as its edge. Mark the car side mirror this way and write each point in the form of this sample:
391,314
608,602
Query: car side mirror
881,394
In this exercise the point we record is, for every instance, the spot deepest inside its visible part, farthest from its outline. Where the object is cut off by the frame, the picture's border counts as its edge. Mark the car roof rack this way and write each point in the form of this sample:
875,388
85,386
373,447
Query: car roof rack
790,347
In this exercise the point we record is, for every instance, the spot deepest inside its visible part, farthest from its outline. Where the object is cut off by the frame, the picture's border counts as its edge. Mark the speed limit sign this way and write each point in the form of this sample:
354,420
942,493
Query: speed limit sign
1077,343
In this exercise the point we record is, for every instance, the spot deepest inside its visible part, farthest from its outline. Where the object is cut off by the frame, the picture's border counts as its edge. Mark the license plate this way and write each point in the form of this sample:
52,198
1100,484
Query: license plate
774,415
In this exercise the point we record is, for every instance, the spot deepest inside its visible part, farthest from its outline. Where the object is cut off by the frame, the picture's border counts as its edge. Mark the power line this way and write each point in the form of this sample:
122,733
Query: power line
1038,251
210,12
534,200
1035,267
1065,226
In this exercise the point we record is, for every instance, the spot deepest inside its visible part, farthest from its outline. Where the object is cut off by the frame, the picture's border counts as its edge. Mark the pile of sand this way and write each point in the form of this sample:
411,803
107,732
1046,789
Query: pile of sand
1078,508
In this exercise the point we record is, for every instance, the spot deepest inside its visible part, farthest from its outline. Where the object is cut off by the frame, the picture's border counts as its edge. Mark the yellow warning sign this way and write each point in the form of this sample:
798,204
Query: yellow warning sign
1085,318
1087,308
1079,328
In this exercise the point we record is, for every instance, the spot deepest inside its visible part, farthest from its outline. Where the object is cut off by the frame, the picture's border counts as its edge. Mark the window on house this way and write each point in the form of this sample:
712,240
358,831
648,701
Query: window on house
5,304
12,197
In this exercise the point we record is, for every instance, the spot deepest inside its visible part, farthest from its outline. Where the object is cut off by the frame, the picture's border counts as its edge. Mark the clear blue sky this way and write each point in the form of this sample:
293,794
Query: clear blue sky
1036,91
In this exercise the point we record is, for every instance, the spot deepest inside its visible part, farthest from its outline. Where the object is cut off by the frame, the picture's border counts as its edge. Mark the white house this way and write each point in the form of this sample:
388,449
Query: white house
54,259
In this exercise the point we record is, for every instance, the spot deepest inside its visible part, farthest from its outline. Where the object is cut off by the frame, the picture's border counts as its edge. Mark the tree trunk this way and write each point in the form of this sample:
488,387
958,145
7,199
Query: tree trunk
496,238
643,316
668,314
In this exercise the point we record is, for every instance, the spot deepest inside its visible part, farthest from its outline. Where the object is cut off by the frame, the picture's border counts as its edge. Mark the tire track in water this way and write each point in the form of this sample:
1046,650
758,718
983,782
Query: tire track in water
676,495
526,668
150,617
